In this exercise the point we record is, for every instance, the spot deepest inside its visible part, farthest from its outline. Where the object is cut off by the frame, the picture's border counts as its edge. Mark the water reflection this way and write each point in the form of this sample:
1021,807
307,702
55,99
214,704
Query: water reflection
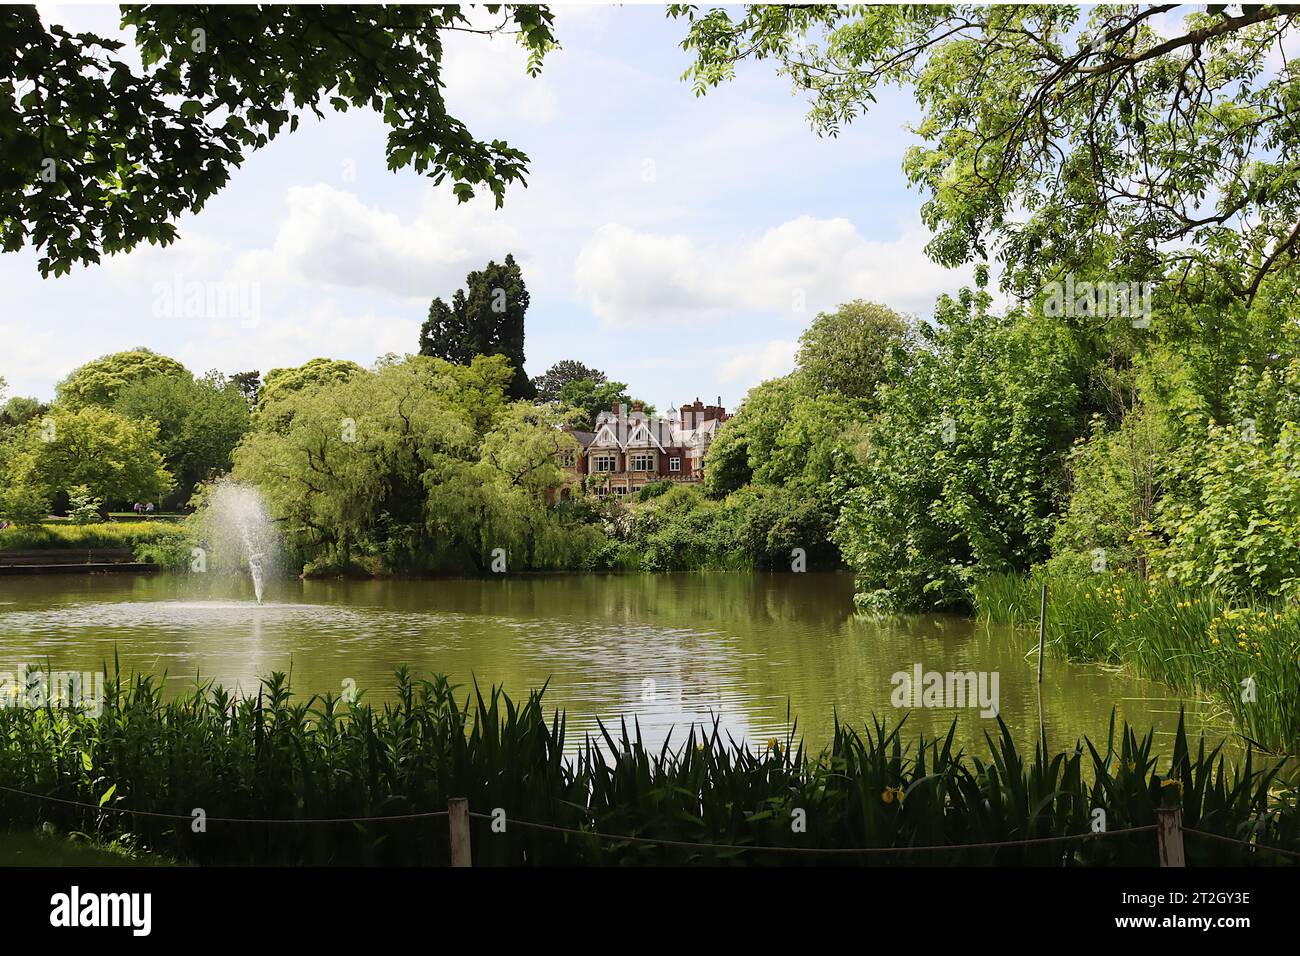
663,651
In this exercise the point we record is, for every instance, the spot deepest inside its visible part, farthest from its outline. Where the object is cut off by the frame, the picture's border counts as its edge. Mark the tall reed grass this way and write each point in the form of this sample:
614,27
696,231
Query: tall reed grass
271,756
1247,654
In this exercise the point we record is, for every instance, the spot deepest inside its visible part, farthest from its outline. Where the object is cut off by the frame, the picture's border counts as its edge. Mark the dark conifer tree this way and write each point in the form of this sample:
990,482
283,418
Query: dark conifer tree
484,318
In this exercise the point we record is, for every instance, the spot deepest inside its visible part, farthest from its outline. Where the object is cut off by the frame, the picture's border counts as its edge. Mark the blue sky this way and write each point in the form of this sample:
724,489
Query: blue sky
666,239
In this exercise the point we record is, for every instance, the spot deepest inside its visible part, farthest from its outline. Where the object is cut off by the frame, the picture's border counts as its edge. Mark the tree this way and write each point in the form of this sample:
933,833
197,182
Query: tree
549,383
199,423
116,458
100,381
100,156
342,471
498,503
19,410
784,434
280,383
849,351
419,464
83,508
22,504
318,371
249,385
484,318
962,473
1050,131
588,398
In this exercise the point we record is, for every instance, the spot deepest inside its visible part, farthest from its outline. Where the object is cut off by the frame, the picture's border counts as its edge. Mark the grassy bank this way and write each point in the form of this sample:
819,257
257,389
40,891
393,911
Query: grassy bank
105,534
1245,654
284,759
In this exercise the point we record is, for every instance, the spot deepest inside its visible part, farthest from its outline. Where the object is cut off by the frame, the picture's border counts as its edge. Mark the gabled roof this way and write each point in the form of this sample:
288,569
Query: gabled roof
643,429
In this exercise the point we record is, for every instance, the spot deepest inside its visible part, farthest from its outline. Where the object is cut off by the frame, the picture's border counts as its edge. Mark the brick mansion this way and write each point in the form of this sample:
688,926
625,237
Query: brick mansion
631,448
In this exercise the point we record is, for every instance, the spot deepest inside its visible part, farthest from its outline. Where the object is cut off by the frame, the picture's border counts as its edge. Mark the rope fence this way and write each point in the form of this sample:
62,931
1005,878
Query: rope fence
627,838
1246,843
1169,829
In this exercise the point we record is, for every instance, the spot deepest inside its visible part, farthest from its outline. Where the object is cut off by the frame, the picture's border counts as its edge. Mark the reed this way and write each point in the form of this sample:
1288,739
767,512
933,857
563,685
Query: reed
1246,654
274,756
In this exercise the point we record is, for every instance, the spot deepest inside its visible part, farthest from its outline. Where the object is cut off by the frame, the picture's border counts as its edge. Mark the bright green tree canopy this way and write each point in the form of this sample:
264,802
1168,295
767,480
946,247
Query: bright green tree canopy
116,458
99,382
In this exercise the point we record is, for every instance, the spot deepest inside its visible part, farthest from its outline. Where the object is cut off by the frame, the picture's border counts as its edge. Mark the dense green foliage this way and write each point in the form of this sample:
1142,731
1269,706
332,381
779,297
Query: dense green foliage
102,154
272,757
852,350
679,528
200,420
962,471
114,457
417,465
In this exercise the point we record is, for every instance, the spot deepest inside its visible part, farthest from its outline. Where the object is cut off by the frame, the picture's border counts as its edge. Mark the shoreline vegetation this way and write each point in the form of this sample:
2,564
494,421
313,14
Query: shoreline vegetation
135,777
1244,652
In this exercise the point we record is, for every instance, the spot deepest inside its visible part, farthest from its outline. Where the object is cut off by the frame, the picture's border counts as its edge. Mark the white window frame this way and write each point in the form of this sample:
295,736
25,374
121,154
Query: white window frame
674,464
601,460
642,461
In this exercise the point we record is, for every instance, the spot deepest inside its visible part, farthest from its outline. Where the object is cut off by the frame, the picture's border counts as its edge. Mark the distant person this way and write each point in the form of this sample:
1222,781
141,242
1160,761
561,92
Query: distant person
148,508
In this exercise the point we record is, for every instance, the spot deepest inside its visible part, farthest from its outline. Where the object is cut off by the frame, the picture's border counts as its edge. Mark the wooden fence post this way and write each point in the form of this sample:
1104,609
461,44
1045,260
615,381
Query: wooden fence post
458,820
1169,831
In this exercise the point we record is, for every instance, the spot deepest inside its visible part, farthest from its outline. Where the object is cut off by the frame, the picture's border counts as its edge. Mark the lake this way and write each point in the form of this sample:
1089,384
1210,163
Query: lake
750,650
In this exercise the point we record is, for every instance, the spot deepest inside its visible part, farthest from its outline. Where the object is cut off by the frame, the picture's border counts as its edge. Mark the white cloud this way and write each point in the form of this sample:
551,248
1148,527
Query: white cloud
193,256
760,363
37,356
329,238
487,78
324,329
796,268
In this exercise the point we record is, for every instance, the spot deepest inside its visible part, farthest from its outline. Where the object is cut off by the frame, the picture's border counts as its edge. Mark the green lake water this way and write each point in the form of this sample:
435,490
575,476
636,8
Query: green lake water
667,650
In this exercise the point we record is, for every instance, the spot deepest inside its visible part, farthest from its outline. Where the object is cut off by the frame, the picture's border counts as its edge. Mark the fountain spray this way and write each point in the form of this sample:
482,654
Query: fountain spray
236,525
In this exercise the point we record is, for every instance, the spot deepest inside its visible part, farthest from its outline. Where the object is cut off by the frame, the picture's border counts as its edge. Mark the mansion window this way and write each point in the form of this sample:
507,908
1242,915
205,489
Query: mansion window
604,463
567,459
620,490
643,462
674,464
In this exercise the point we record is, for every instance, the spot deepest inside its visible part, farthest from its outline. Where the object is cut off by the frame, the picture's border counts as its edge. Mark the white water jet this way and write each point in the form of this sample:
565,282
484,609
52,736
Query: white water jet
238,529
